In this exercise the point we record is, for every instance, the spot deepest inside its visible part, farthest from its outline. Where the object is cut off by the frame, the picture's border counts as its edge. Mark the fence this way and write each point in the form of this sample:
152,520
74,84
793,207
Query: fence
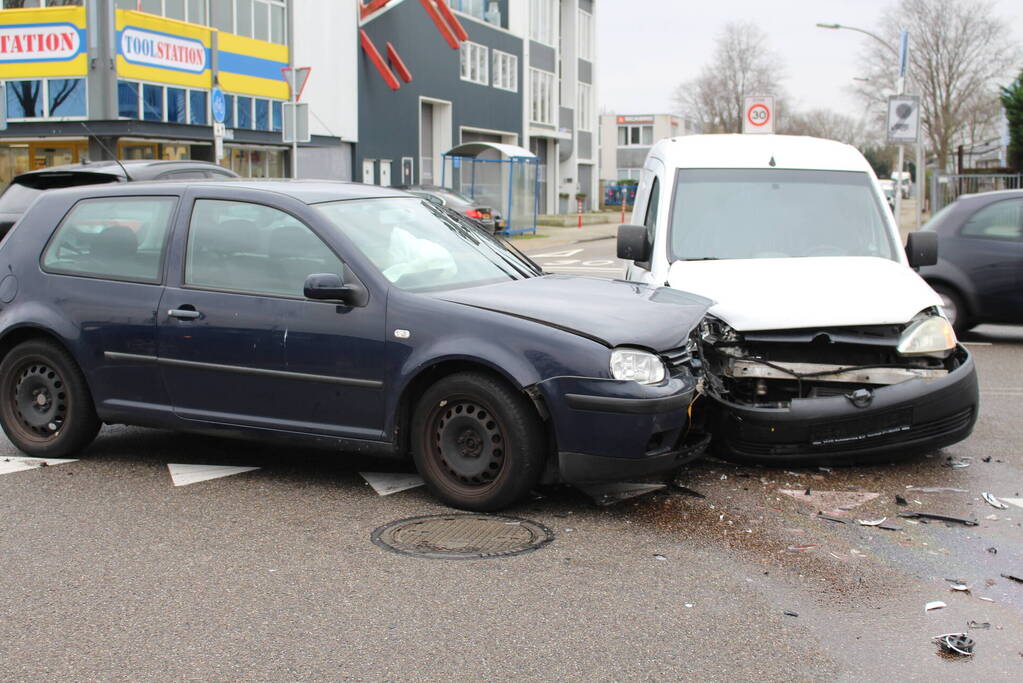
945,189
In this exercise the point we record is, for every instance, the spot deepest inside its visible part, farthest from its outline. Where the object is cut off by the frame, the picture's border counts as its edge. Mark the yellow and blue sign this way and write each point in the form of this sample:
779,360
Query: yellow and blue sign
251,67
38,43
153,48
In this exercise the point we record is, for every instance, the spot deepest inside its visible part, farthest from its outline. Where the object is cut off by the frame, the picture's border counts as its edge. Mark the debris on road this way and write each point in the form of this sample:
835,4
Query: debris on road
936,489
955,643
386,483
961,587
982,625
790,613
831,518
832,502
1018,502
1012,577
937,604
899,500
940,518
993,502
609,494
871,522
660,557
957,463
687,491
993,550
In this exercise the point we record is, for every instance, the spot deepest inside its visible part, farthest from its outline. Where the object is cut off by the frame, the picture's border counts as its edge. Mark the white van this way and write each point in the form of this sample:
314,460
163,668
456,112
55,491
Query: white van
823,343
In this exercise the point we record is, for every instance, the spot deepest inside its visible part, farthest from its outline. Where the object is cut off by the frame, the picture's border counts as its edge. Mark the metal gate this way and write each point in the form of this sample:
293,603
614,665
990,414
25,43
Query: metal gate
945,189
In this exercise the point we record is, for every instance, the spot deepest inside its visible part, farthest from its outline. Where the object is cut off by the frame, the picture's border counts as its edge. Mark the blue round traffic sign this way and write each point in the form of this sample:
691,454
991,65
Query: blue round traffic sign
218,105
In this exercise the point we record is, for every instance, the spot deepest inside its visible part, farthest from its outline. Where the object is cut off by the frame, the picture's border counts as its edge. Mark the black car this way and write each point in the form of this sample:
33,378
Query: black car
467,206
979,274
351,316
24,188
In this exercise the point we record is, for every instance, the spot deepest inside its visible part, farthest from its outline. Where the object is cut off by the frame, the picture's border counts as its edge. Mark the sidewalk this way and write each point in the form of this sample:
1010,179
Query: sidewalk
558,237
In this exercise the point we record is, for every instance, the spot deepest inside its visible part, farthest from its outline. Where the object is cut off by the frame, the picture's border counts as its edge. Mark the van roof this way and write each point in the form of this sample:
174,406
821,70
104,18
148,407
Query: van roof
758,151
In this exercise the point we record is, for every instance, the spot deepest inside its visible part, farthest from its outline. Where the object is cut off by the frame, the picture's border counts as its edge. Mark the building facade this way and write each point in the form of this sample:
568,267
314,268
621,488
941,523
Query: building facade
516,72
627,138
132,79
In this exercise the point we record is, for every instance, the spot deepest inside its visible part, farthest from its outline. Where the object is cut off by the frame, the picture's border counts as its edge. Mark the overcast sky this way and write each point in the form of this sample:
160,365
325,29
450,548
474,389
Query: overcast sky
647,47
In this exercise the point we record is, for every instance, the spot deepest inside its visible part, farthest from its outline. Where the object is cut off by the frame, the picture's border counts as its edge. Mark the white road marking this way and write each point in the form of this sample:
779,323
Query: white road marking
183,475
386,483
556,254
977,344
1018,502
15,463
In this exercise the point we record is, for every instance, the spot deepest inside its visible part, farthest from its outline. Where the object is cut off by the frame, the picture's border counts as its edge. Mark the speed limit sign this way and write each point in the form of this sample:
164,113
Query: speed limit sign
758,115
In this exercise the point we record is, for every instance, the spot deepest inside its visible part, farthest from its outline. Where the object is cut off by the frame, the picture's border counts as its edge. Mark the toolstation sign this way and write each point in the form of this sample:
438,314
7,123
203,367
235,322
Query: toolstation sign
162,50
39,42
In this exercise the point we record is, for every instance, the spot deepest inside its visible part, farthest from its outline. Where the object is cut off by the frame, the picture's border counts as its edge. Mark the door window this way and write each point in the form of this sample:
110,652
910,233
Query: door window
120,238
238,246
999,221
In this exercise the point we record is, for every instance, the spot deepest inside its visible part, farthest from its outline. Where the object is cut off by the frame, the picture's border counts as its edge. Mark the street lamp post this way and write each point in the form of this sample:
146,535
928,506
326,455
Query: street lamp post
919,146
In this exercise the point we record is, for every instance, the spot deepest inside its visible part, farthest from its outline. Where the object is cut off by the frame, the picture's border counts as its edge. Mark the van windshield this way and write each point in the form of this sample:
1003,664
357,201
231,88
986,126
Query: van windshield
776,213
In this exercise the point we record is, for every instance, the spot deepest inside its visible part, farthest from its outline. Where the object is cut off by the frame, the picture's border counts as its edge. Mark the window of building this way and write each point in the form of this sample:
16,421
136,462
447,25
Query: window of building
261,120
506,71
244,116
543,19
475,63
585,29
155,102
152,102
278,113
176,105
229,111
31,4
46,98
584,106
197,108
119,238
629,173
635,135
252,248
541,100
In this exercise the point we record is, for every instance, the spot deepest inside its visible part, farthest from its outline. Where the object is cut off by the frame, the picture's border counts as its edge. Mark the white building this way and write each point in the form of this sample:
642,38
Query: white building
626,139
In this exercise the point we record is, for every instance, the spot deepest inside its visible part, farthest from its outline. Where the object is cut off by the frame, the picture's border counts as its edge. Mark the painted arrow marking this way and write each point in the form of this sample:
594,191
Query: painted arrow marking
183,475
386,483
13,463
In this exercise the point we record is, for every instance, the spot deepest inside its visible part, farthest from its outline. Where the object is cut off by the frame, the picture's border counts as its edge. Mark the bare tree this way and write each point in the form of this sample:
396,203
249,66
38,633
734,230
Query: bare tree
743,64
824,123
958,51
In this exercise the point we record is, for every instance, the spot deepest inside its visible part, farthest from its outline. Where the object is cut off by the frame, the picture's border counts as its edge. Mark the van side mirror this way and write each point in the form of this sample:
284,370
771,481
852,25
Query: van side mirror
922,249
633,243
331,287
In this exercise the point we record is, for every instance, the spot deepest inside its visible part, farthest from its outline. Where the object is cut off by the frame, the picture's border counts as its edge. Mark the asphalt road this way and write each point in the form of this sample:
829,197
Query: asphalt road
108,572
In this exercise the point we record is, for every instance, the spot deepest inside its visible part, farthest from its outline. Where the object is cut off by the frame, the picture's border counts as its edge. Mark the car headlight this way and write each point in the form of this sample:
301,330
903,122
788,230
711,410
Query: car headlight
930,336
636,365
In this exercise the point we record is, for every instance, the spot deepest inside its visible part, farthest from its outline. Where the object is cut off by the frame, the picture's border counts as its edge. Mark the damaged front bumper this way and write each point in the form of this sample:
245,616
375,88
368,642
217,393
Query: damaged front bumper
910,417
609,430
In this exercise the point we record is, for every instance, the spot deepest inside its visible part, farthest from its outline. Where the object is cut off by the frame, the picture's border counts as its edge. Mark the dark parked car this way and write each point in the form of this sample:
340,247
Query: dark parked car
467,206
351,316
24,188
979,274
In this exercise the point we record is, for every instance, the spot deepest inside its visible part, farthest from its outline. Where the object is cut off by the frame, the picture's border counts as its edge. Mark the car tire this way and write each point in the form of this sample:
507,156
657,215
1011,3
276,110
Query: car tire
477,442
954,308
46,409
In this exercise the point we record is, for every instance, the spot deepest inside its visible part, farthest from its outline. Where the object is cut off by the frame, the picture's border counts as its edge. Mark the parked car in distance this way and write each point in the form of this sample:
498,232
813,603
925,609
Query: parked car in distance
350,316
888,188
25,187
467,206
823,344
979,274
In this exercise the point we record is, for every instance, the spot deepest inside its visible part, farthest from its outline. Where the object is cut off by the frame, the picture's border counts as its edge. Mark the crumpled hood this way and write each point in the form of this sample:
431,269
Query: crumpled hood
792,293
612,312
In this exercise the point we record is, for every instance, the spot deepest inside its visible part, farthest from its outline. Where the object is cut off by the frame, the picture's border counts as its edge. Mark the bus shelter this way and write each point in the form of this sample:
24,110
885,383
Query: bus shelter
504,177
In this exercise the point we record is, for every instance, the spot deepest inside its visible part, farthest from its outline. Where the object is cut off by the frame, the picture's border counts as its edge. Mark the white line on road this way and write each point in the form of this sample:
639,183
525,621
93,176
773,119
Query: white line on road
183,475
15,463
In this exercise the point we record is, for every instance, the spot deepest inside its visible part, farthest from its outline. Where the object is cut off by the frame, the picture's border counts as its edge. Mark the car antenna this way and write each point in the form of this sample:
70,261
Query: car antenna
106,149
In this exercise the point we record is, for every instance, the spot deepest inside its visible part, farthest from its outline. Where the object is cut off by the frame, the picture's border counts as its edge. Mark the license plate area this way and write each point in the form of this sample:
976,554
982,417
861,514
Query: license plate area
862,429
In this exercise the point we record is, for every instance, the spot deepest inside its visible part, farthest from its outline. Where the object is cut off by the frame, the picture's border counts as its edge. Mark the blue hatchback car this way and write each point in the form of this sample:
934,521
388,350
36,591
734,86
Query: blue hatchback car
352,316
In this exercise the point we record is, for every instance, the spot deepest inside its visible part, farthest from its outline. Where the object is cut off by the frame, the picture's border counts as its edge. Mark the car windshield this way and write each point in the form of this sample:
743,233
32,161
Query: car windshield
776,213
419,246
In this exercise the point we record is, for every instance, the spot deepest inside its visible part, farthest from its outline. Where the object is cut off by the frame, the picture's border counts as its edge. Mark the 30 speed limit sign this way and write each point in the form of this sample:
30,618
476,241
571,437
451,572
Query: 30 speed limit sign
758,116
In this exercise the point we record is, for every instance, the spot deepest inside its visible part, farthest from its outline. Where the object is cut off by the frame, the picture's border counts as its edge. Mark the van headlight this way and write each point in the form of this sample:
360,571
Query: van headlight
636,365
930,336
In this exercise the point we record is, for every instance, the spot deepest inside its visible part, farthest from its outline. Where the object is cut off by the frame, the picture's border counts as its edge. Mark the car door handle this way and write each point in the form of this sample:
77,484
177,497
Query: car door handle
183,313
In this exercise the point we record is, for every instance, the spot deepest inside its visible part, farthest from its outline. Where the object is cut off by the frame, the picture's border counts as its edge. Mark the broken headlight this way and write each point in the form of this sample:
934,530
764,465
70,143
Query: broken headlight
637,365
931,335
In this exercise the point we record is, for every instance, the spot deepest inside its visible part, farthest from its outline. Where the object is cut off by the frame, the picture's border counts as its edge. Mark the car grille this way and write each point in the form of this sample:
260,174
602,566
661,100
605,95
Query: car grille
678,359
925,430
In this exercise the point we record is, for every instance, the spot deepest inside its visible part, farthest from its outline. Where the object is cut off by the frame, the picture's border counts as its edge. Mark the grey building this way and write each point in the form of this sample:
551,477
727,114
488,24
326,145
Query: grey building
627,138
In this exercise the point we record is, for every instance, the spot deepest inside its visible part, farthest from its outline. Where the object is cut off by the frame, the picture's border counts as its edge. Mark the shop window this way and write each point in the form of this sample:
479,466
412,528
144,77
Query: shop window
152,102
176,105
261,21
175,9
277,19
127,99
197,108
278,112
244,112
229,116
262,115
24,99
222,15
66,96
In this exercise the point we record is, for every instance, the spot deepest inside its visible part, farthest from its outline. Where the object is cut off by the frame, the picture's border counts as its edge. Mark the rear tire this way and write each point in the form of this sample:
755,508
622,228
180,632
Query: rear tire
46,409
477,442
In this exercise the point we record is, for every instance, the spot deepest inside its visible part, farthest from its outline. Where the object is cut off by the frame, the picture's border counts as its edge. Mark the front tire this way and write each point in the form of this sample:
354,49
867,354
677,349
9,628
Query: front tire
954,308
476,442
46,409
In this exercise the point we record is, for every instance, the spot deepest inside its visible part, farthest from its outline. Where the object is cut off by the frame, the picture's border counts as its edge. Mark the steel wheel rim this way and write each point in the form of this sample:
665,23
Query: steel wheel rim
466,443
39,400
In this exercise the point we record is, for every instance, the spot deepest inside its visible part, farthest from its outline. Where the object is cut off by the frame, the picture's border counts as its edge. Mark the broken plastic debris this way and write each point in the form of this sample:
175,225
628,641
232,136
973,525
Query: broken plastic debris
982,625
660,557
958,643
961,587
801,547
899,500
994,502
935,489
832,518
688,491
386,483
937,604
1018,502
957,463
1012,577
941,518
615,492
790,613
871,522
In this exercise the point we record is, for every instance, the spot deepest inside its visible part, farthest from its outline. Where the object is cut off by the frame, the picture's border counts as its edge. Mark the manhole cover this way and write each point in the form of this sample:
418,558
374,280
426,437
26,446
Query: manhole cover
462,536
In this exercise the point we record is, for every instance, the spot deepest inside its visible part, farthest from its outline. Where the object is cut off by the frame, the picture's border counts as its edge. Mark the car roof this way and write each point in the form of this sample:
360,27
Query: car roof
992,195
137,169
306,191
759,151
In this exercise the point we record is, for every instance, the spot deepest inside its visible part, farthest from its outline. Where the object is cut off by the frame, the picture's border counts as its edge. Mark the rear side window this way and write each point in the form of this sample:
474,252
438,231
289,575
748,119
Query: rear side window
999,221
119,238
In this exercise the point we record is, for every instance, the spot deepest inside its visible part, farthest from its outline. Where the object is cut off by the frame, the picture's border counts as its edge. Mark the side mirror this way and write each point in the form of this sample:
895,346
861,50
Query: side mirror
330,287
922,249
633,244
